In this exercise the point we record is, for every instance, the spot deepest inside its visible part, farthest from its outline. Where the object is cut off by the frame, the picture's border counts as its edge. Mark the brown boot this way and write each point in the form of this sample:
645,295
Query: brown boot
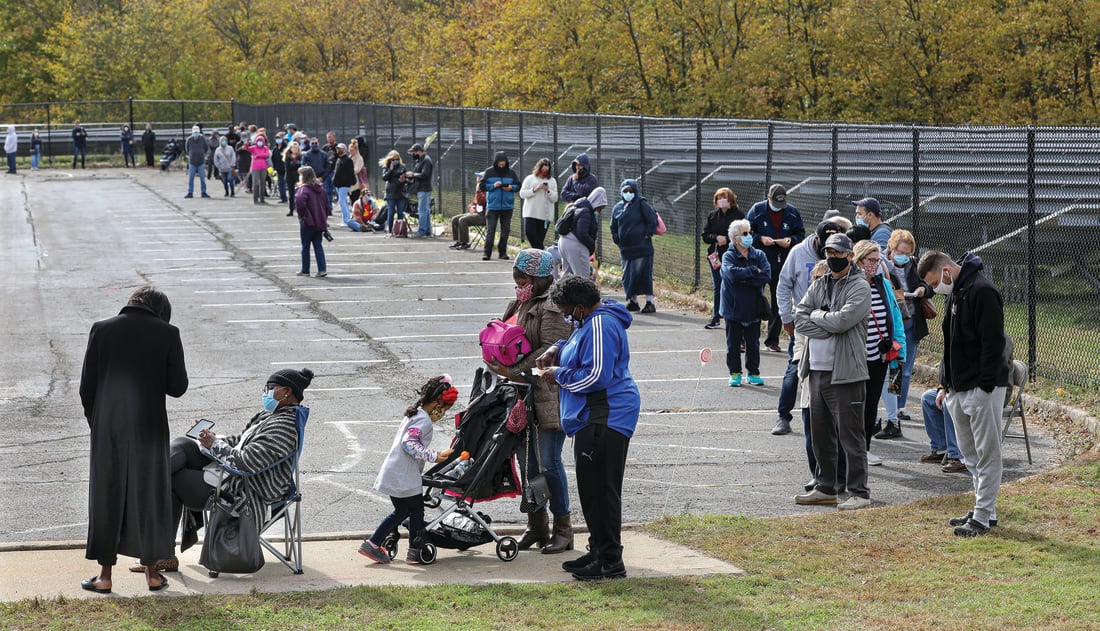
563,536
538,530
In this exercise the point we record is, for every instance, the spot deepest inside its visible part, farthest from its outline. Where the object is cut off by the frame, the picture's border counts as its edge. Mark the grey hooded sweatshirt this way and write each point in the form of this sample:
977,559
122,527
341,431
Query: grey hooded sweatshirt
843,317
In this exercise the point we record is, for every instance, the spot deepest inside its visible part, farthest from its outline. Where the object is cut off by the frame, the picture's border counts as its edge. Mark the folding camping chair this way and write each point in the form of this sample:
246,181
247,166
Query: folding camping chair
1014,405
286,511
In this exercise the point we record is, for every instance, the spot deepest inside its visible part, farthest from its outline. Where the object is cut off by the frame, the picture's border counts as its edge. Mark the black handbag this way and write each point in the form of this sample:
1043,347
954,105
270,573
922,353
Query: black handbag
536,489
763,306
564,224
232,543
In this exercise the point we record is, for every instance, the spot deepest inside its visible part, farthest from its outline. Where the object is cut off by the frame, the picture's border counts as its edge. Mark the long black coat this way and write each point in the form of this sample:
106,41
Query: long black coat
133,360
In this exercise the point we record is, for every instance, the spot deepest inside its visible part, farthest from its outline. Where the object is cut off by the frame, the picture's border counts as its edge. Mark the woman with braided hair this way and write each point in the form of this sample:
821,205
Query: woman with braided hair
400,476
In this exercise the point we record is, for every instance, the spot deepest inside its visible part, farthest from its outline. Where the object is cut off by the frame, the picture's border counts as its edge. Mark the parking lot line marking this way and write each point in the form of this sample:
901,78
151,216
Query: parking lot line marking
272,320
352,302
387,287
696,448
695,412
370,361
312,390
419,316
238,291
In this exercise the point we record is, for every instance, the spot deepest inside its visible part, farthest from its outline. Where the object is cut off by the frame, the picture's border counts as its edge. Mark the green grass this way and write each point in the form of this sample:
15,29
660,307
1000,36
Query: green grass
895,567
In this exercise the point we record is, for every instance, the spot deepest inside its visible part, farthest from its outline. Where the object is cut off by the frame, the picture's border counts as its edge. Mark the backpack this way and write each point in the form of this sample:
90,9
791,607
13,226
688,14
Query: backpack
565,223
503,343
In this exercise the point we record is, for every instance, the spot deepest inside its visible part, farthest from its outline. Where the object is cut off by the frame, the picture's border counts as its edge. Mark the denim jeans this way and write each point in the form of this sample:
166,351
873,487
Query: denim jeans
282,186
228,182
36,157
329,189
192,171
78,151
11,162
551,442
411,507
424,212
938,426
312,237
789,390
345,206
395,209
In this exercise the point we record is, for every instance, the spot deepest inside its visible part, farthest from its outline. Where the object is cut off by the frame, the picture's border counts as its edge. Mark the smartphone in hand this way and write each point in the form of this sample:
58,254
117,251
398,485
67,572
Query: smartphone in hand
199,425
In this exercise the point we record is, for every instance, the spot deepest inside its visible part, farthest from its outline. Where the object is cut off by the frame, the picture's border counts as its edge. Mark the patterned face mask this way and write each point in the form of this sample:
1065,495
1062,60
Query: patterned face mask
524,292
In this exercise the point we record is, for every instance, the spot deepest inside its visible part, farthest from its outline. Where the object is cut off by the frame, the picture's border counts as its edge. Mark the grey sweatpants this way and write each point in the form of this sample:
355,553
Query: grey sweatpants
977,418
836,415
574,257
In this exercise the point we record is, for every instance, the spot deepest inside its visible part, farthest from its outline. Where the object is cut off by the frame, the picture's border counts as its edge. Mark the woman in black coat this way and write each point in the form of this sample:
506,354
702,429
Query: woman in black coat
133,361
715,235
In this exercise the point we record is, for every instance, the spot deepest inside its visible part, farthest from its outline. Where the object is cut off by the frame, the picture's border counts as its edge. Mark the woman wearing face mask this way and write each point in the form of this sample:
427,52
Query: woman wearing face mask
715,234
577,246
292,161
544,324
902,250
393,174
260,154
745,271
539,193
343,179
633,223
884,326
267,438
225,161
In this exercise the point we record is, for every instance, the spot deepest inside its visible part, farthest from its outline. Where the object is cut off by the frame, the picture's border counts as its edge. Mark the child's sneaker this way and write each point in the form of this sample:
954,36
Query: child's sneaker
412,557
373,552
755,380
735,379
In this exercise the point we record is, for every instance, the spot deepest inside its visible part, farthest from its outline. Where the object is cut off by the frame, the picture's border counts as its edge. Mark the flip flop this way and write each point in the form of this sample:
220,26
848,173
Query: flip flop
90,586
163,584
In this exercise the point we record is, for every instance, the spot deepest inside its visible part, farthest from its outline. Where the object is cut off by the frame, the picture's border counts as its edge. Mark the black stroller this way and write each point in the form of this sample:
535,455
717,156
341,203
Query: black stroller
491,429
172,150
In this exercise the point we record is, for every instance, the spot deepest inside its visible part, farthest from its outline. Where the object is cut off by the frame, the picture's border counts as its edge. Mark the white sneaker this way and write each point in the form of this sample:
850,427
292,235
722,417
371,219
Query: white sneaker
873,460
854,502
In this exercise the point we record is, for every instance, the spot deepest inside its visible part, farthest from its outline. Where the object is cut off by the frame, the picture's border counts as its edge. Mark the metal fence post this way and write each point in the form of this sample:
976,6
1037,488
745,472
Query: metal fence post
131,100
522,223
833,169
554,159
915,214
599,161
489,136
439,157
1031,216
768,159
49,134
462,155
232,110
393,127
414,136
698,197
641,146
183,120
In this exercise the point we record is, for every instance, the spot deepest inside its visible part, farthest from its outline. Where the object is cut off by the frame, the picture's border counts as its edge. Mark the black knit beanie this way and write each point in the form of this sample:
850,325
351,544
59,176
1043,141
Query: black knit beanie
296,380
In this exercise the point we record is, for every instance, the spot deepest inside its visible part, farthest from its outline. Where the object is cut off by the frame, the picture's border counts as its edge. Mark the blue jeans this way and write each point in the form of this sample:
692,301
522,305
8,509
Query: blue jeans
312,237
716,274
411,507
282,186
789,390
78,151
345,206
424,212
228,182
395,209
551,442
192,171
938,425
329,189
36,156
11,162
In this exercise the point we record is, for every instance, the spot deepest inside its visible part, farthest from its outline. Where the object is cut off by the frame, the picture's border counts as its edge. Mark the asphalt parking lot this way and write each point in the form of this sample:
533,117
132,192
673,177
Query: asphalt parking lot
391,313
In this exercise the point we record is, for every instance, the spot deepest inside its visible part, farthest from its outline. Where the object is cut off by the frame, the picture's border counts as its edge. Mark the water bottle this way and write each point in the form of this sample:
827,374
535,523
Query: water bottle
464,463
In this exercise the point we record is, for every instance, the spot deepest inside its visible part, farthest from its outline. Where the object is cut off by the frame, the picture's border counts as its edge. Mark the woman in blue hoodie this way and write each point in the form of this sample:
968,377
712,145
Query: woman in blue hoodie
599,405
633,222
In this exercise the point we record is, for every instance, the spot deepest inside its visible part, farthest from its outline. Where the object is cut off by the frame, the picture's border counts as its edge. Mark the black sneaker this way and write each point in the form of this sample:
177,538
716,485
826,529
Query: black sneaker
972,528
959,521
715,323
579,563
632,305
599,570
649,308
902,416
892,430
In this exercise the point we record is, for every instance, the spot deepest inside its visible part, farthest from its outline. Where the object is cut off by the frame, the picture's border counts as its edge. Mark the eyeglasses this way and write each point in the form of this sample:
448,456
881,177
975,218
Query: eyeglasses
872,260
271,387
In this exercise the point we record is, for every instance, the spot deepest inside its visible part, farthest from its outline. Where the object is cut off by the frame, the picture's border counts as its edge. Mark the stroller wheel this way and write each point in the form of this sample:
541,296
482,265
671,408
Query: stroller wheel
390,544
507,549
432,501
427,553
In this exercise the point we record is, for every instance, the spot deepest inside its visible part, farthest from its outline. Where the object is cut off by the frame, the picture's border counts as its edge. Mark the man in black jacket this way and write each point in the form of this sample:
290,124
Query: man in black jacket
421,178
975,371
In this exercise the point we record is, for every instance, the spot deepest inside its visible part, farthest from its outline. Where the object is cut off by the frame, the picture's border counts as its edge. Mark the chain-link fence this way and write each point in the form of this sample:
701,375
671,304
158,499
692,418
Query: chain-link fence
1027,200
103,121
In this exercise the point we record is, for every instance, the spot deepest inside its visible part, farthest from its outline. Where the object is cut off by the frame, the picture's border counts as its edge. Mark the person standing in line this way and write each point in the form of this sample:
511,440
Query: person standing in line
330,166
833,317
133,361
777,226
975,371
11,147
633,223
225,161
715,234
213,141
149,143
578,244
869,215
277,151
312,207
36,150
126,139
343,179
260,154
539,192
80,144
499,183
394,175
420,182
599,403
745,271
292,161
196,149
581,182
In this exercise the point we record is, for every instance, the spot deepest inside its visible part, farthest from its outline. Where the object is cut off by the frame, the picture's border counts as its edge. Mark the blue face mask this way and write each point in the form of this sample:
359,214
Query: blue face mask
746,241
314,146
269,401
628,197
901,259
224,143
775,208
860,221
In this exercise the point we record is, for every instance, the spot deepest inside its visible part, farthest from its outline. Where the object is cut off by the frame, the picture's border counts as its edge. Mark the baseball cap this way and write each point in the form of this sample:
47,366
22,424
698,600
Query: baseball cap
778,194
871,204
839,242
342,146
416,147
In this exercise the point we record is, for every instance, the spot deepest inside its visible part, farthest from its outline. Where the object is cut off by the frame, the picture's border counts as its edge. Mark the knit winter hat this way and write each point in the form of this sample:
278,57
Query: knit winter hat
534,262
296,380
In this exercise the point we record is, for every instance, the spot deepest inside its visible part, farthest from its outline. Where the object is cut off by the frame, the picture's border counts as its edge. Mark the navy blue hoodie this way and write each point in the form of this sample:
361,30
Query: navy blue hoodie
633,224
585,182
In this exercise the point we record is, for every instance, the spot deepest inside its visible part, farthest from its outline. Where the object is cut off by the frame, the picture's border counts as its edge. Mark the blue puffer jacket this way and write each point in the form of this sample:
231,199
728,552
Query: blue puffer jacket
594,373
499,197
633,224
743,278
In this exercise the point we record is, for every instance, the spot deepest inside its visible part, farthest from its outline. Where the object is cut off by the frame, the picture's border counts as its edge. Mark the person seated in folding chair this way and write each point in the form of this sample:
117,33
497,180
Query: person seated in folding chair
269,437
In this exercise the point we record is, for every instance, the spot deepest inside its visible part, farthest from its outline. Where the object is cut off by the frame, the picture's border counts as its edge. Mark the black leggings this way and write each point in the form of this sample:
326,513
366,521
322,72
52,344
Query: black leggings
535,230
188,486
877,371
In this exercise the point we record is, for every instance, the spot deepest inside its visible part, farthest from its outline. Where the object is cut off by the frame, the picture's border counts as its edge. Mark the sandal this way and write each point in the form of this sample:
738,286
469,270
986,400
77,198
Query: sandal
163,584
91,586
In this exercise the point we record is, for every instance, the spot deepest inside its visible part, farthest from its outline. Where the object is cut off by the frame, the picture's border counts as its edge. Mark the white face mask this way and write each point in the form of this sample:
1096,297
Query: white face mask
943,288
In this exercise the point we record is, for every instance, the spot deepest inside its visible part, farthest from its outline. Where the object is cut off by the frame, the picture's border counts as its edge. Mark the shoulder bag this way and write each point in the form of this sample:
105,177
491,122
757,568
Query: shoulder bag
661,228
232,542
536,489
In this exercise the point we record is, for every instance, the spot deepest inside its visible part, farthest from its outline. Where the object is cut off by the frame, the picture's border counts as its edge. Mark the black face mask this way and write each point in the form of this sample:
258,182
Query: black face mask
837,265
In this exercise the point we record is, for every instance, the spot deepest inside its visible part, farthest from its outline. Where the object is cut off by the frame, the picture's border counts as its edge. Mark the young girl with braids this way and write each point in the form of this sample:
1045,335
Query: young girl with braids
400,476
